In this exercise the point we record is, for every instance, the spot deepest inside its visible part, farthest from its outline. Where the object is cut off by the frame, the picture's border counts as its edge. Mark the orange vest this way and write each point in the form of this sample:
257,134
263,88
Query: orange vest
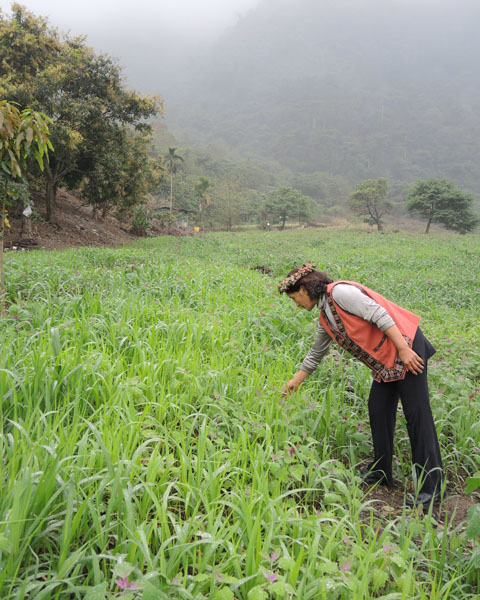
365,340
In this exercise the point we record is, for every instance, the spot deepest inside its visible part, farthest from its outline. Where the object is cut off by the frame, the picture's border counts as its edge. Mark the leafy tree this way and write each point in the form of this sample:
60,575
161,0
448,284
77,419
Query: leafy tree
123,175
440,201
226,205
22,134
288,203
171,161
82,92
369,199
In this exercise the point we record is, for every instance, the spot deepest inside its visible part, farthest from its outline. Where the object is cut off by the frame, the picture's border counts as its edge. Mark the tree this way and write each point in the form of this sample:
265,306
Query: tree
369,199
82,92
171,161
22,134
440,201
288,203
123,175
226,205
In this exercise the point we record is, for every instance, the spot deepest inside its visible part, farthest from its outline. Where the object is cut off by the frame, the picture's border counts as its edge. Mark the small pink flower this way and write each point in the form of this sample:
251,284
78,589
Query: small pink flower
311,406
275,457
359,427
274,556
175,581
16,317
387,549
272,578
216,395
124,584
440,392
291,451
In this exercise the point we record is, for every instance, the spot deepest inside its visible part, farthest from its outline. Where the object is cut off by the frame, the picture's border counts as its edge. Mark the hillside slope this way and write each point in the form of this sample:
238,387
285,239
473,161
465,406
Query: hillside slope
377,88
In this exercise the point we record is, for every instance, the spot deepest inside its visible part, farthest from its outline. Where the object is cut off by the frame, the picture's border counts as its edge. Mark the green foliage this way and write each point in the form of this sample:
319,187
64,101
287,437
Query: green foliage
234,195
370,199
144,435
473,483
288,203
321,187
227,204
91,111
22,134
141,221
123,175
440,201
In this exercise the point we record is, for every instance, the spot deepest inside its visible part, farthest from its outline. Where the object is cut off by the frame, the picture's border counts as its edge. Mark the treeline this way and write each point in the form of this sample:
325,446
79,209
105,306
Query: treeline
216,189
222,191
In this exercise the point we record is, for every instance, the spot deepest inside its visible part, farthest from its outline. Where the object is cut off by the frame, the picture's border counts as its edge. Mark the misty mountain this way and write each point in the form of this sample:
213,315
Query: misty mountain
354,89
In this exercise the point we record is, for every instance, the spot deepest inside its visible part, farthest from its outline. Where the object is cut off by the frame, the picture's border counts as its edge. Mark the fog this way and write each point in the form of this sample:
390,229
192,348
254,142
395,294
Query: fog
351,88
99,19
145,36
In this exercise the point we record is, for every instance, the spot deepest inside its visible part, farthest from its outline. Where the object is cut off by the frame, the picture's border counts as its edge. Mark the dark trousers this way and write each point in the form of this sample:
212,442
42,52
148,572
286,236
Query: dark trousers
382,408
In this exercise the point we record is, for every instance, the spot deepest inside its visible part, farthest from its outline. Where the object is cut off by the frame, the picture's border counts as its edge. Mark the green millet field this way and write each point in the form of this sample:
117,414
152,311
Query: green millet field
147,452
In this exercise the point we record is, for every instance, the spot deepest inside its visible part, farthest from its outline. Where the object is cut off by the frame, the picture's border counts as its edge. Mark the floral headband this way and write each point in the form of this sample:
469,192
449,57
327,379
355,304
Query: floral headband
287,283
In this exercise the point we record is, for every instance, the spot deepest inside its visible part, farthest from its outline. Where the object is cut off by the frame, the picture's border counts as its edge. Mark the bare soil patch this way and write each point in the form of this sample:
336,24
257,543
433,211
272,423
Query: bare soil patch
75,224
389,503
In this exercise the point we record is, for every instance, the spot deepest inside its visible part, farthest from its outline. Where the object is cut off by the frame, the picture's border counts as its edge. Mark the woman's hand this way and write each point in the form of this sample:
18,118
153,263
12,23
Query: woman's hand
411,360
293,384
409,357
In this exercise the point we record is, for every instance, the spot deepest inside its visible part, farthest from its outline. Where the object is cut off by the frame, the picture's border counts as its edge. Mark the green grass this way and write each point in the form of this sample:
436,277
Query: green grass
144,435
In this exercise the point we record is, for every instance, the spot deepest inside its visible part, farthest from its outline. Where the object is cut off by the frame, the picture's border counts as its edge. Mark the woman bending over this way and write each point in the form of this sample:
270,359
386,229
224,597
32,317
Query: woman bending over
386,337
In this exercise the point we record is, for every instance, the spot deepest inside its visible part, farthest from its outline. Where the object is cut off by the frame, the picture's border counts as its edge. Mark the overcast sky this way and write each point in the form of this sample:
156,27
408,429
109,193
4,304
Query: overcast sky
202,18
149,38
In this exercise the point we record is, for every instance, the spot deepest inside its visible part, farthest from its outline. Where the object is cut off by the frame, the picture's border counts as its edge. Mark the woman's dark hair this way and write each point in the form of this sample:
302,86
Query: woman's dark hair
315,283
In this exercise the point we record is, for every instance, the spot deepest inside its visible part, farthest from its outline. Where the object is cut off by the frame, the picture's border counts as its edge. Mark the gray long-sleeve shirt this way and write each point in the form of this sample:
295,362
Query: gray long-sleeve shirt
354,301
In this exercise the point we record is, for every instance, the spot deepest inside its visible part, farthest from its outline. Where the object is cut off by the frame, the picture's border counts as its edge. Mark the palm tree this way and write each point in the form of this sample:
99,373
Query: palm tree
171,160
